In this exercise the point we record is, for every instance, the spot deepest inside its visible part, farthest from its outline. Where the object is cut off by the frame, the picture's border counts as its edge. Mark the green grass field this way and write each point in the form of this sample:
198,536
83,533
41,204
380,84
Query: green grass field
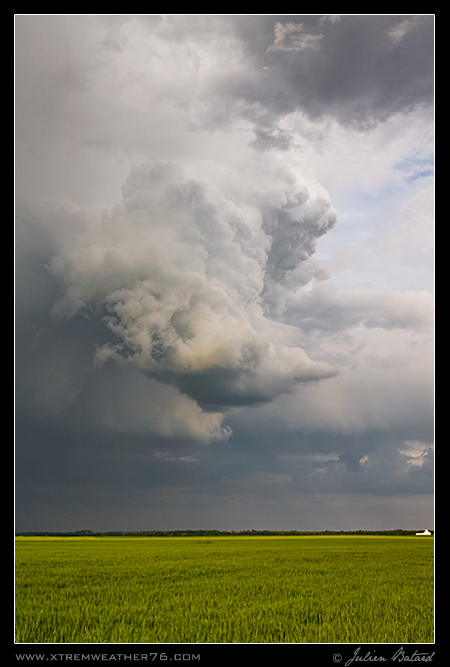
224,590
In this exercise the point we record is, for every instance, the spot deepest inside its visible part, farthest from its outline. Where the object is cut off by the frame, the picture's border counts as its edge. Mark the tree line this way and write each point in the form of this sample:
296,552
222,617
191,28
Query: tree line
210,533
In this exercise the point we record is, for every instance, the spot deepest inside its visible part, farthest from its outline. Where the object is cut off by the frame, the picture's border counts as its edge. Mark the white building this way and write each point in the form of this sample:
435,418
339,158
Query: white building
425,532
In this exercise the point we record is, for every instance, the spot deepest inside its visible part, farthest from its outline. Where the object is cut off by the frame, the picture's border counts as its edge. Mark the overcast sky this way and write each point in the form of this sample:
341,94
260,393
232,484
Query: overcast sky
224,272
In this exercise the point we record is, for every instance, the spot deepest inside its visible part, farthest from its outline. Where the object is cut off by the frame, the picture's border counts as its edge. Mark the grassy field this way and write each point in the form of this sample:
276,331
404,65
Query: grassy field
224,590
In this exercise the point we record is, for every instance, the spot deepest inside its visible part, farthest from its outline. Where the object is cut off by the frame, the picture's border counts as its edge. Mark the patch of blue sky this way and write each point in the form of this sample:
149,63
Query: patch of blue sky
415,168
368,250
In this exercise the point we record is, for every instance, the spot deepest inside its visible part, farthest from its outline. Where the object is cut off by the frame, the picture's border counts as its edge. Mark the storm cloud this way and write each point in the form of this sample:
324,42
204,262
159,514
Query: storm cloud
179,274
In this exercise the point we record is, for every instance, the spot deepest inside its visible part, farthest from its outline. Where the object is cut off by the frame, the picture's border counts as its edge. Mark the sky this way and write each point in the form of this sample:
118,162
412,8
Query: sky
224,272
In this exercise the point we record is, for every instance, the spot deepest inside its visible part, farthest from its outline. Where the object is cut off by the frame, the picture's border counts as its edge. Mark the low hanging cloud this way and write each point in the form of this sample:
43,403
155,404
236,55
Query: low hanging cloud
383,471
185,280
125,401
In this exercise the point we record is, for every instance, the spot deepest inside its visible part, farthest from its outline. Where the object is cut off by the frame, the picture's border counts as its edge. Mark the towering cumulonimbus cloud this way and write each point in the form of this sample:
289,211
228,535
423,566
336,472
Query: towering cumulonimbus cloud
185,280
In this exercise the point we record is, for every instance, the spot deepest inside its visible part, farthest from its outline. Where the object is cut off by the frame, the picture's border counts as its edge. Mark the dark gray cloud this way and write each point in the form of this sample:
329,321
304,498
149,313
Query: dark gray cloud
385,471
359,68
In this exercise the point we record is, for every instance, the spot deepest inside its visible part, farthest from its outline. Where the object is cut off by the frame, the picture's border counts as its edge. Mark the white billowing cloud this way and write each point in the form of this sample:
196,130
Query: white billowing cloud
332,18
179,274
397,31
291,37
417,452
